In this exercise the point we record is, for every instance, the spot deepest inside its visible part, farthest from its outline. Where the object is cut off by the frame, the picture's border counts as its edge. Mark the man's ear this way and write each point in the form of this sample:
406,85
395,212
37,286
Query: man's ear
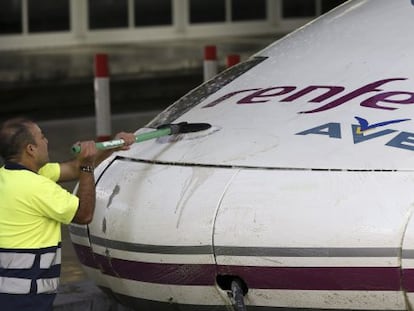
30,149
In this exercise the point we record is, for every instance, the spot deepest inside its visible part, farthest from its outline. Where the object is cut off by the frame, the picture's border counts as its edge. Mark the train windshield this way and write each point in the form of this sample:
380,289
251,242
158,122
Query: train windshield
199,94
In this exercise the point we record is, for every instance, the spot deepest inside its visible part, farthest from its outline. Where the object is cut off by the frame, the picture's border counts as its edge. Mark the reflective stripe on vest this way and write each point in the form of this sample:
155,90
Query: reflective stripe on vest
16,260
14,285
47,286
22,286
27,271
50,259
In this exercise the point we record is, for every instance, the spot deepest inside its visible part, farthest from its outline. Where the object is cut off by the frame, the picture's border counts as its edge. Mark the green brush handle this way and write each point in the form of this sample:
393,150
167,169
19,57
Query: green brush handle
111,144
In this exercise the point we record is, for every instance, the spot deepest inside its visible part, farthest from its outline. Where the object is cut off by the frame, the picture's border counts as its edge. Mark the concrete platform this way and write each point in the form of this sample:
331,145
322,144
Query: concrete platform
84,296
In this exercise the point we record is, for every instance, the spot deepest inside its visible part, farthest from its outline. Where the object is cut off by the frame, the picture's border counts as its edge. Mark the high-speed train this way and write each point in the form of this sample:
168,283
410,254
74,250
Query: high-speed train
299,196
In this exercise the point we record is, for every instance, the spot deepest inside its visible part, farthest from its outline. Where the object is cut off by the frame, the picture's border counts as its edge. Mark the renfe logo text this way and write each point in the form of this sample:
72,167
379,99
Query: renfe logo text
380,99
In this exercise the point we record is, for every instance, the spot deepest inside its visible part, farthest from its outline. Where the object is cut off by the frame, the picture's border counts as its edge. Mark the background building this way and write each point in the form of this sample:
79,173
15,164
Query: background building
155,48
53,23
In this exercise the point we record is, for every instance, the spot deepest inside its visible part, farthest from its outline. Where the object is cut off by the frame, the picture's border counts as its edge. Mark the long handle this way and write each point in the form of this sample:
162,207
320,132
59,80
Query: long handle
111,144
163,130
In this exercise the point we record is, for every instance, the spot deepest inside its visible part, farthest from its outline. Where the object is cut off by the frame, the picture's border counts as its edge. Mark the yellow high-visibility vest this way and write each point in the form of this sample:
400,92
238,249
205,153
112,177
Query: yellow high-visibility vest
32,207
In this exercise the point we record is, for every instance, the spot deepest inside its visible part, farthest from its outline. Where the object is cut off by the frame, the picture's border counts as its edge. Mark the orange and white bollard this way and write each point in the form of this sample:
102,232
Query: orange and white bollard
232,59
102,98
210,62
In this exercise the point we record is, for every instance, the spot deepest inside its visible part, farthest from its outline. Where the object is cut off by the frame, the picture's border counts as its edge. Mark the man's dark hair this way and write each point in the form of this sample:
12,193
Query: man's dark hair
14,136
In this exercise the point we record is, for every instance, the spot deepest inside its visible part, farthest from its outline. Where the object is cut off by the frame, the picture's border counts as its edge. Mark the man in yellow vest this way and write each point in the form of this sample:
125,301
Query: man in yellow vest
33,207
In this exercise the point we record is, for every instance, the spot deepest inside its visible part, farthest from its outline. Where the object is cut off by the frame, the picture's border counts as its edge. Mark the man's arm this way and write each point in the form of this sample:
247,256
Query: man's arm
86,194
86,191
69,171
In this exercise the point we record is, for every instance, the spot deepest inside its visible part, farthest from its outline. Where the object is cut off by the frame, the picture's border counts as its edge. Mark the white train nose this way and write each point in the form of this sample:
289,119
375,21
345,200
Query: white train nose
303,196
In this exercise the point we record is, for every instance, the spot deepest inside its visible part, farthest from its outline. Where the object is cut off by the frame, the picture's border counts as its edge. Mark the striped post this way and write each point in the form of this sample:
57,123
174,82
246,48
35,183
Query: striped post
232,59
210,62
102,98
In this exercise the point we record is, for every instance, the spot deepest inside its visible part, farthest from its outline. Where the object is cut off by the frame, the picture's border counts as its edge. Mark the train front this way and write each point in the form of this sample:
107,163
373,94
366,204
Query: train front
301,192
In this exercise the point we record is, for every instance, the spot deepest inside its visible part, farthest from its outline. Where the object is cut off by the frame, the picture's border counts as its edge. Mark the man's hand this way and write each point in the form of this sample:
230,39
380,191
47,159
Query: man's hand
87,154
69,171
128,138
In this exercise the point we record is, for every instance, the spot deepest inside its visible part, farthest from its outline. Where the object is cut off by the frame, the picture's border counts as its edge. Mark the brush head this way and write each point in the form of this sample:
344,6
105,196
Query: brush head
189,136
185,127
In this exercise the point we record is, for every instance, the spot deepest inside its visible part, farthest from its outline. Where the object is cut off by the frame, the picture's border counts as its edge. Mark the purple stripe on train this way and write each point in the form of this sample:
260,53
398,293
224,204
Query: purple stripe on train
293,278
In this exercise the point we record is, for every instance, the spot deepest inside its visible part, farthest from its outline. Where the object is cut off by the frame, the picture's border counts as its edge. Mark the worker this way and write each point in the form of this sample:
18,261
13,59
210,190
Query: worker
33,207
